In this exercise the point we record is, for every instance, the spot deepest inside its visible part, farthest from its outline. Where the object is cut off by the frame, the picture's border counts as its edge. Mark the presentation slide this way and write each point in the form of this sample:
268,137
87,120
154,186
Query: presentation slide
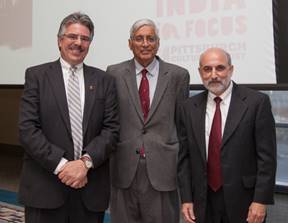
186,28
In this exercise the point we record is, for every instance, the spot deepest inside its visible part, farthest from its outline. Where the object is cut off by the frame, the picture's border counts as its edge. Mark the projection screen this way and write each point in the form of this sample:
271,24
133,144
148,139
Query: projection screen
186,27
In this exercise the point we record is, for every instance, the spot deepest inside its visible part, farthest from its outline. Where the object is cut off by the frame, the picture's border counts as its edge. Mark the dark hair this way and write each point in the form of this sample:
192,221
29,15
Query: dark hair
76,17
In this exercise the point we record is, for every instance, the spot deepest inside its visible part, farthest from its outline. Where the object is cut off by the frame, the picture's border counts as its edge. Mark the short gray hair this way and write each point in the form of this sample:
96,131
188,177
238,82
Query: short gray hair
229,60
76,17
143,22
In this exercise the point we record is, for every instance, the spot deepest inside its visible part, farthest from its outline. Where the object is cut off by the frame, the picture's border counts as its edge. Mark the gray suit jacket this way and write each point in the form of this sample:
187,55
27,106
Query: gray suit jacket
248,153
158,134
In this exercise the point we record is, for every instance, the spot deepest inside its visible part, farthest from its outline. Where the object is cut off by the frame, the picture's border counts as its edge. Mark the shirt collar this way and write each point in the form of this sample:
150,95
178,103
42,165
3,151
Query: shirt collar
151,68
224,95
66,66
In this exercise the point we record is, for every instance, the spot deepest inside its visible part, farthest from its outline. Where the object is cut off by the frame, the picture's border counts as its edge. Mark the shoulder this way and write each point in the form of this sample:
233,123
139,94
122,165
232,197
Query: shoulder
248,93
96,72
43,67
196,99
173,69
119,67
40,71
251,98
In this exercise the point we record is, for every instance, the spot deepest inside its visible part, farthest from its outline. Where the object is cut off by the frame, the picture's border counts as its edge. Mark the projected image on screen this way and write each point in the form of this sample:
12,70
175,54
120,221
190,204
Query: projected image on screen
190,27
16,23
187,27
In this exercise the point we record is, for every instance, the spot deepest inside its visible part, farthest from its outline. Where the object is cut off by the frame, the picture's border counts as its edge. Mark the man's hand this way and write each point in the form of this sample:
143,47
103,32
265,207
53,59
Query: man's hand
188,213
257,213
74,174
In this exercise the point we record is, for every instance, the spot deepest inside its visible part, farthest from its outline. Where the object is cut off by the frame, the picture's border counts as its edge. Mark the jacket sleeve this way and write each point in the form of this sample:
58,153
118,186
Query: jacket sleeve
184,167
31,136
100,147
266,152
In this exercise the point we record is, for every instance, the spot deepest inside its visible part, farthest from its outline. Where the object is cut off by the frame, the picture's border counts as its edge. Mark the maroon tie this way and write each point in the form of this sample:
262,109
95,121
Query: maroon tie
214,151
144,94
145,101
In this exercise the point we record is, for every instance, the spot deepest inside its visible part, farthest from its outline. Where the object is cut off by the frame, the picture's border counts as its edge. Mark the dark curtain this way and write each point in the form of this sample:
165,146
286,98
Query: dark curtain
280,25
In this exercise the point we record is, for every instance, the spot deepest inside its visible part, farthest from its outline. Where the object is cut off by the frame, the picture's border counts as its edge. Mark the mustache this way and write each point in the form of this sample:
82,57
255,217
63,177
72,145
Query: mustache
146,50
76,47
215,82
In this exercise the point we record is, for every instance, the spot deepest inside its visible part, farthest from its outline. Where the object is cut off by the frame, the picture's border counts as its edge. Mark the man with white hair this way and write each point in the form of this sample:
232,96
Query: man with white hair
143,168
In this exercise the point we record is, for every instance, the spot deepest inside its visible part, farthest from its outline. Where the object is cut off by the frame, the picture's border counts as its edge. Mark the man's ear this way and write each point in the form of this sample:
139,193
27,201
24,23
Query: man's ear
130,44
58,42
231,69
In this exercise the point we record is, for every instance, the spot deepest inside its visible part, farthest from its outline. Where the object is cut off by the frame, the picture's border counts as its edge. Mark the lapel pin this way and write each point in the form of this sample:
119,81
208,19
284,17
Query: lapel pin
91,87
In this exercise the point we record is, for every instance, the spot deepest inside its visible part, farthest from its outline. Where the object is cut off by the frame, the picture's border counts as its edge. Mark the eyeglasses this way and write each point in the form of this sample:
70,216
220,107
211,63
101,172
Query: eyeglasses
219,68
141,39
75,37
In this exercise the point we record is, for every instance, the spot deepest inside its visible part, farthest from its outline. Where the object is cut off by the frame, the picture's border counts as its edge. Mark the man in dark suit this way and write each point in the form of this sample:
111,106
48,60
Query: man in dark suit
68,128
144,166
227,157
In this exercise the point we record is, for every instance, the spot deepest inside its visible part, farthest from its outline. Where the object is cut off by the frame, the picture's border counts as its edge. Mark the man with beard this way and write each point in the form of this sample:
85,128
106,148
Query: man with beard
227,158
144,166
68,127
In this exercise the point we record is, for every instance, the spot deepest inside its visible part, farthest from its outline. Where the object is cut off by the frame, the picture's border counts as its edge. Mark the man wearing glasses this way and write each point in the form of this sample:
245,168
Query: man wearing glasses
68,127
143,167
227,158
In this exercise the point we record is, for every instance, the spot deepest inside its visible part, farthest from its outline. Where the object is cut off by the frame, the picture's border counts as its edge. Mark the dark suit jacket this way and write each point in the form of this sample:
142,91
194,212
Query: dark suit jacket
45,135
248,153
158,134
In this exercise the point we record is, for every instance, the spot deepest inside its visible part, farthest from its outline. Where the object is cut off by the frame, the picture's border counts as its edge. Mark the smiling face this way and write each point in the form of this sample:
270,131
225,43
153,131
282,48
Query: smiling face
74,43
144,45
215,70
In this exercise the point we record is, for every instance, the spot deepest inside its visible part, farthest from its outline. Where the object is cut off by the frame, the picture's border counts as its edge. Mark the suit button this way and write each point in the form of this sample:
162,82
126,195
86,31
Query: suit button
144,131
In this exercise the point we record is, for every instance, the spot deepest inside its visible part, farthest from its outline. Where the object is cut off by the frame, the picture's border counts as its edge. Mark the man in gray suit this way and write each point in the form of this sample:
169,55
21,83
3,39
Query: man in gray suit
143,168
227,158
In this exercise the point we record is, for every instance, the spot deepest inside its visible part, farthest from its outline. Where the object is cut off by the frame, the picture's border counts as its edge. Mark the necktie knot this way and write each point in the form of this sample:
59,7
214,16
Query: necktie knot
217,100
144,73
73,70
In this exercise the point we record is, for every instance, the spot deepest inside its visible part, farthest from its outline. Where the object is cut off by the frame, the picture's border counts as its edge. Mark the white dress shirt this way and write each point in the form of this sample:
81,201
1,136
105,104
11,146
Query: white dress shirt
79,73
66,73
210,110
153,71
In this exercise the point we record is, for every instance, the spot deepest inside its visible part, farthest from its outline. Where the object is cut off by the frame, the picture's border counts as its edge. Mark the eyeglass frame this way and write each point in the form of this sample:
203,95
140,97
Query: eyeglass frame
220,68
75,37
140,39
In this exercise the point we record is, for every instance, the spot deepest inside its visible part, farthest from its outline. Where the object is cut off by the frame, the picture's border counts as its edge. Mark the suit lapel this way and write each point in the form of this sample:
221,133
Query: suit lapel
161,86
198,112
56,80
90,88
236,111
131,84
